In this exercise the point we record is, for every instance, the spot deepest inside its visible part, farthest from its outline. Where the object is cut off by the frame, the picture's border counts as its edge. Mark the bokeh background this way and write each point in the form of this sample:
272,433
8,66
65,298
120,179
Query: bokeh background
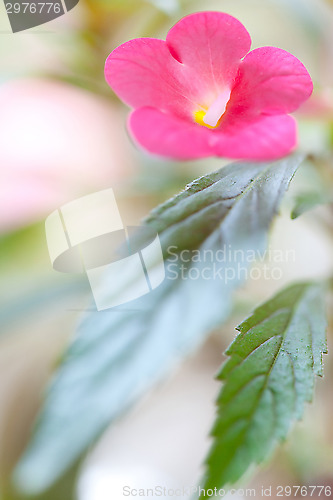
62,135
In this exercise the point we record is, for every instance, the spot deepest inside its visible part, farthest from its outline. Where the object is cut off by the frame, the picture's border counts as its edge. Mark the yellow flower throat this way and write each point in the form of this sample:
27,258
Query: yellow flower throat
211,118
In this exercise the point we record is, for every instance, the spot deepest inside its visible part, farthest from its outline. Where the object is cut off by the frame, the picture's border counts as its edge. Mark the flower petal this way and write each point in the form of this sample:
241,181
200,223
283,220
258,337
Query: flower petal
212,43
270,81
269,138
142,72
198,61
169,136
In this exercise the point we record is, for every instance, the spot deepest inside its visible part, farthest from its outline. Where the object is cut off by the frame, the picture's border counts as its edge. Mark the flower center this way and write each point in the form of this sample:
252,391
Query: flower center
212,116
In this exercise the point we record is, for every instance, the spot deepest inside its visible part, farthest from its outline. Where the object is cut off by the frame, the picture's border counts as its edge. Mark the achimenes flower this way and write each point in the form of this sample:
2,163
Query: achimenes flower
202,93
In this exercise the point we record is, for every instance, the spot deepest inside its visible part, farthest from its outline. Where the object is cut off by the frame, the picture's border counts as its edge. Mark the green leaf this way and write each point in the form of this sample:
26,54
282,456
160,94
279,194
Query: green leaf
267,380
119,353
307,201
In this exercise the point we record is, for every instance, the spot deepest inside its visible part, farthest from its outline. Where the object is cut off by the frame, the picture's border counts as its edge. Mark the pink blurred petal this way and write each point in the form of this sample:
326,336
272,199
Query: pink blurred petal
167,135
25,200
56,142
212,43
320,106
270,81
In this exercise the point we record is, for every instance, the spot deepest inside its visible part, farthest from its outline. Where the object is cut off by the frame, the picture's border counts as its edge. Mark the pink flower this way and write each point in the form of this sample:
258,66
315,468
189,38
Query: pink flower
200,93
